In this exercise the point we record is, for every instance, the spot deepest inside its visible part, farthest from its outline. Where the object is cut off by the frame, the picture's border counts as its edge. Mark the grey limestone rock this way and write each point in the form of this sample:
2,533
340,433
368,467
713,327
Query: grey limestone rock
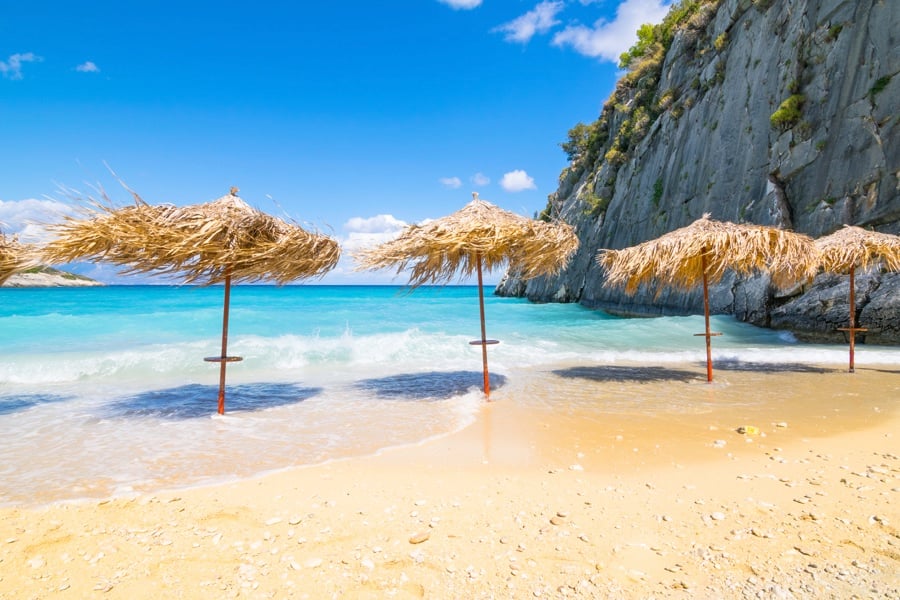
714,147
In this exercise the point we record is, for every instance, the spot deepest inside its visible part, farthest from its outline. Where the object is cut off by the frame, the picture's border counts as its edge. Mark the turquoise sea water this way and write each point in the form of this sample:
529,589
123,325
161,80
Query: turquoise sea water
104,390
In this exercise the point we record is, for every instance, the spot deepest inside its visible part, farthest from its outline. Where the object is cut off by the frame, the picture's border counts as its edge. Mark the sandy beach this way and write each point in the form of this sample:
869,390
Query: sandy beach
607,498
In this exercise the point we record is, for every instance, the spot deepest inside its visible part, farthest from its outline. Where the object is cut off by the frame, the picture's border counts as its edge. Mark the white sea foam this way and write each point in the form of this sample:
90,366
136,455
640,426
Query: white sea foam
291,356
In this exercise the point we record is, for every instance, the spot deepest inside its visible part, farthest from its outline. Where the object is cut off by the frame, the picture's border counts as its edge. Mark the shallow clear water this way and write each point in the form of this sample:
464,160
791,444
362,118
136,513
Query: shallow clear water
104,390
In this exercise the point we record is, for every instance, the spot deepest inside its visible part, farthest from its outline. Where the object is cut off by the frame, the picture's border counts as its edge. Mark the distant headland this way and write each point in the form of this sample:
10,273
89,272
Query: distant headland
49,277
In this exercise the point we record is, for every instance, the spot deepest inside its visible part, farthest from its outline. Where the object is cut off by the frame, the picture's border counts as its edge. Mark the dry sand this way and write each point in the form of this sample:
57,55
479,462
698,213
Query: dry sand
531,501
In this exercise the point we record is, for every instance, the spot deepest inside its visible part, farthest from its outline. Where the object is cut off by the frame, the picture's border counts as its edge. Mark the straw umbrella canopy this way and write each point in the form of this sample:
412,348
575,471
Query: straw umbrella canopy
222,241
14,257
850,248
478,237
703,251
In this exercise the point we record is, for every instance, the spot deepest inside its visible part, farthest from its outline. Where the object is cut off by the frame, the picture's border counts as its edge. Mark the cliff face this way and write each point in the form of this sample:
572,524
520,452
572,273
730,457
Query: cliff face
777,112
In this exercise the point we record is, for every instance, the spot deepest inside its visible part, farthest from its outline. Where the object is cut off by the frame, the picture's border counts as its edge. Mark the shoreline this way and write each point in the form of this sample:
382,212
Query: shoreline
601,393
540,497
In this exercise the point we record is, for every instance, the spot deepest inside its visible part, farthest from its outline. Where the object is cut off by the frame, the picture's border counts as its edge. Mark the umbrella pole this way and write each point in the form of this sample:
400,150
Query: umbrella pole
224,358
709,375
852,318
483,342
487,382
224,345
852,329
708,334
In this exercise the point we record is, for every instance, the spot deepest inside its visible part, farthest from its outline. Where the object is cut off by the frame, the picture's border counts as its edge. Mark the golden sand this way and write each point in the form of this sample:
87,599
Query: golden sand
603,498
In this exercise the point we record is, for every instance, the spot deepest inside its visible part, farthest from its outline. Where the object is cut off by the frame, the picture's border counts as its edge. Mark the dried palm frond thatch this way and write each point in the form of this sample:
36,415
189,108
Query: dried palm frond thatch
853,247
15,257
703,251
850,248
214,242
200,243
477,237
709,248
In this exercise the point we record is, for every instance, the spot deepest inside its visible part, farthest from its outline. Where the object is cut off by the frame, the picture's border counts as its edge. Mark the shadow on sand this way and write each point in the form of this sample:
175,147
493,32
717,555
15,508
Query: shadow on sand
736,365
11,404
195,400
627,374
892,371
434,385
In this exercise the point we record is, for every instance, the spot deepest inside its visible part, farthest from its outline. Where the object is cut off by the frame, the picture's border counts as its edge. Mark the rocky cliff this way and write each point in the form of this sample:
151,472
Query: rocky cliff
776,112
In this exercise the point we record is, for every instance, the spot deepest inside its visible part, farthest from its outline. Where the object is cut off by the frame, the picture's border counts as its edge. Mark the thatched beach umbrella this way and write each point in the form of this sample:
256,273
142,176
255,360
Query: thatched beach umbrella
851,247
703,251
478,237
14,257
216,242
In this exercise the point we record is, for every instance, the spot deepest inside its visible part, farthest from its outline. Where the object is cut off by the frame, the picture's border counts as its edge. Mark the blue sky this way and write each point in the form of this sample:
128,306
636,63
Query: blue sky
352,117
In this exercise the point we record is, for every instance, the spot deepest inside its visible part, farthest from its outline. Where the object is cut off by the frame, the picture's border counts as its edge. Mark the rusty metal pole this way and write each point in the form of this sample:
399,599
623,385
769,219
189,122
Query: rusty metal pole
709,375
852,329
484,341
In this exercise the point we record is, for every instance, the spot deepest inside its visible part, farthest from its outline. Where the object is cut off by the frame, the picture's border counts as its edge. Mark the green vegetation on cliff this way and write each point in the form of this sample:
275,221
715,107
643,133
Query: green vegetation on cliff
789,112
637,100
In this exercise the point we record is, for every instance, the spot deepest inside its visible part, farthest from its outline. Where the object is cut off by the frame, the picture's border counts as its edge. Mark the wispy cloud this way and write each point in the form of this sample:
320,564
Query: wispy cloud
517,181
461,4
538,20
376,224
607,40
480,179
27,218
451,182
87,67
12,68
362,232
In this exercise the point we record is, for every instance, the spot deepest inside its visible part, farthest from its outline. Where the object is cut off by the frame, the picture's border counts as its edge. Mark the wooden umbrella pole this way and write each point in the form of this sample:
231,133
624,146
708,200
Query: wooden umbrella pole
224,357
707,334
484,341
709,375
852,331
852,328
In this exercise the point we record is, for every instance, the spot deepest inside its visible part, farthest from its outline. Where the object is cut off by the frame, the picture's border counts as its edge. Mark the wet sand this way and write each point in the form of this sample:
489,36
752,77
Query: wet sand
630,482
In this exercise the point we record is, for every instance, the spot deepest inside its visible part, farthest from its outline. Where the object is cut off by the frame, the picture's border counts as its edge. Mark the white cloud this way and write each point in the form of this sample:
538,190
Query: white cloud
451,182
27,218
87,67
461,4
363,232
480,179
12,68
376,224
538,20
517,181
609,39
